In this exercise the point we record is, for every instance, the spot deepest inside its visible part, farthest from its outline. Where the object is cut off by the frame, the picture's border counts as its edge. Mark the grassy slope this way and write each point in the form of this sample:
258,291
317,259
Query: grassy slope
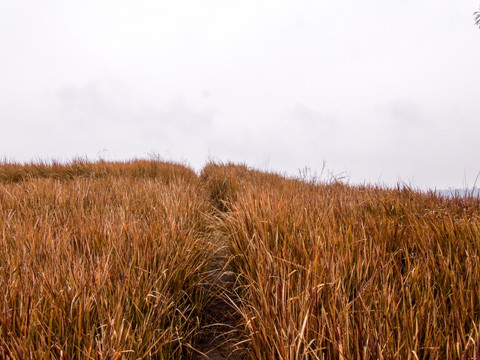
110,260
339,272
101,261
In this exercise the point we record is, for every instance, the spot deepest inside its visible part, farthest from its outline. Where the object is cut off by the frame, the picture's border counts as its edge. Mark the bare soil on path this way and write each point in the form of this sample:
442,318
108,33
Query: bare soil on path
222,328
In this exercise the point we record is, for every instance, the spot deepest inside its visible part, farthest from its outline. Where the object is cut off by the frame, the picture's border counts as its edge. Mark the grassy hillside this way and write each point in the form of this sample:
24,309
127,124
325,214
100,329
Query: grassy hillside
120,260
101,261
339,272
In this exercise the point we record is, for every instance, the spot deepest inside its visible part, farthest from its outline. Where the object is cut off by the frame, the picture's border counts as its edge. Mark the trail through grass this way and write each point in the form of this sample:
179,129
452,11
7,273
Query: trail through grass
145,259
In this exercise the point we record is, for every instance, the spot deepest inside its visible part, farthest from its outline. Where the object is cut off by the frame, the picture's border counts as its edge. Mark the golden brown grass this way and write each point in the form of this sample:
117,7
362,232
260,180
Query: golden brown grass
101,261
120,260
140,168
338,272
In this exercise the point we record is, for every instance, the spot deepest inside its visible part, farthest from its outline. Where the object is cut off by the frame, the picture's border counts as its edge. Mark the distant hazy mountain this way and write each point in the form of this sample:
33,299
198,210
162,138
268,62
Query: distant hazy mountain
459,192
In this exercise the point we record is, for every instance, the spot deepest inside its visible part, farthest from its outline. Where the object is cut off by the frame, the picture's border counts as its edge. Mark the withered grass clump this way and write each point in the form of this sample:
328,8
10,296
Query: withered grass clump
329,271
141,168
101,261
223,182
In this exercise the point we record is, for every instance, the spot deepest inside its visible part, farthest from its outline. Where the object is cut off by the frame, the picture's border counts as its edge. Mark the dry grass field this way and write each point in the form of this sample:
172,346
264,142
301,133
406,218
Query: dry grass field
124,261
101,261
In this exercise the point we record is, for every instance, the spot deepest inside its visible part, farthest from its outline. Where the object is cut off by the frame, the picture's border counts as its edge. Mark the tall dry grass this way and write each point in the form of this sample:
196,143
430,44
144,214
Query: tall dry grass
121,260
330,271
11,172
101,261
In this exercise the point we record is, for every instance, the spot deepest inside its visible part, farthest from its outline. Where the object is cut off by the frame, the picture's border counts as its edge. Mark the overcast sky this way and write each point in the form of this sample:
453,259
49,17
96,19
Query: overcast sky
381,90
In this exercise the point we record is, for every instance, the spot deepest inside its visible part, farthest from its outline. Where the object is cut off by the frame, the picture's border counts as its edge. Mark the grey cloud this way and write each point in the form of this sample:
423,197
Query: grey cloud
206,93
87,99
405,112
305,125
92,102
183,117
178,127
95,115
309,117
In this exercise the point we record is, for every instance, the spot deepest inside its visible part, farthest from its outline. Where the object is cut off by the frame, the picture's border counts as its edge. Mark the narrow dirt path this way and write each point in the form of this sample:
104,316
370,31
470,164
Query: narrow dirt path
222,331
